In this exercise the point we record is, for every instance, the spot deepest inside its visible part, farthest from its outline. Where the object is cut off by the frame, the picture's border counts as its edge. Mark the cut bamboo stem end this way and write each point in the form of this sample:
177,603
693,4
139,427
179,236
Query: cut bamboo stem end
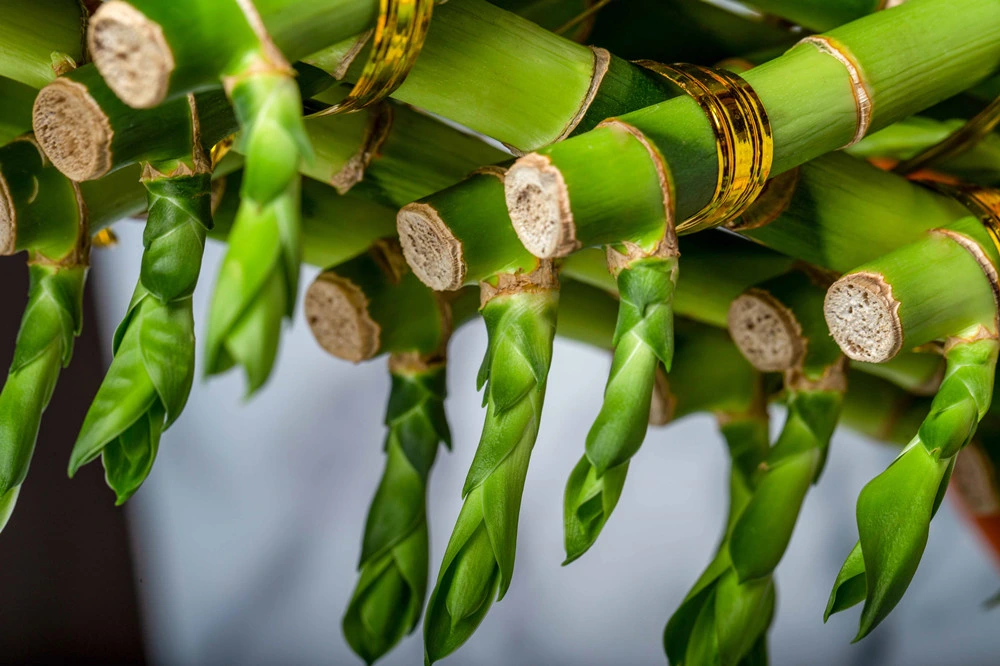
73,130
538,203
430,248
766,331
543,278
863,317
337,312
132,54
8,220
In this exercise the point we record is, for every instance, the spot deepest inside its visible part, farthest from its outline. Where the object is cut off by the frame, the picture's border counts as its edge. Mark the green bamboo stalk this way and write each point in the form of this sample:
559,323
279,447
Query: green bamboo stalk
15,114
520,314
52,227
779,326
151,373
585,183
882,411
41,39
507,78
979,164
820,214
683,31
819,15
894,509
149,51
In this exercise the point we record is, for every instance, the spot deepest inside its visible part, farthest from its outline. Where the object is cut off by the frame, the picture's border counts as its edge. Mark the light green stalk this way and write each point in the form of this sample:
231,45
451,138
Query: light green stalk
150,377
258,281
479,561
41,38
644,338
388,599
895,508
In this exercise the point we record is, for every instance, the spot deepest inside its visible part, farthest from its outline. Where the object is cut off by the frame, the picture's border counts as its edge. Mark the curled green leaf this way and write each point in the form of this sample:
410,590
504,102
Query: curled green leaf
479,561
389,596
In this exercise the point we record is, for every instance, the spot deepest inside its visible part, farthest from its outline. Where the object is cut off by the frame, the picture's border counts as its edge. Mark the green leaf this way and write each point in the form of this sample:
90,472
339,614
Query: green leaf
129,458
850,587
587,504
894,513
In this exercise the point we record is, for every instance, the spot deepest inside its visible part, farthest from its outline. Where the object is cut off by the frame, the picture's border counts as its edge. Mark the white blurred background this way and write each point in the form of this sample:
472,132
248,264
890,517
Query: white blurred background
247,533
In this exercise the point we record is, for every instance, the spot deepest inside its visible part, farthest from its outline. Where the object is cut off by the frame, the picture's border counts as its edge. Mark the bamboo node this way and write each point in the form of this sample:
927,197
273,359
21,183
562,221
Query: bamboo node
743,139
73,130
400,30
602,60
544,278
765,331
433,252
538,203
862,96
131,53
8,220
337,313
377,131
863,317
414,363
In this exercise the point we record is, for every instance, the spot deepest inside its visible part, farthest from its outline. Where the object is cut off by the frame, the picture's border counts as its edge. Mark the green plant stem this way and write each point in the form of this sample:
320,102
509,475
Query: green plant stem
15,114
914,310
803,90
895,508
818,14
881,410
709,375
258,281
389,596
503,76
838,199
151,373
479,561
40,38
980,163
208,41
723,620
54,222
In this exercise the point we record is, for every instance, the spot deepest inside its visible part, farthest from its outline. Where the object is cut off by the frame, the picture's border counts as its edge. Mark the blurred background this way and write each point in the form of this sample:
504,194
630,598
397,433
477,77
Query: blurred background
242,545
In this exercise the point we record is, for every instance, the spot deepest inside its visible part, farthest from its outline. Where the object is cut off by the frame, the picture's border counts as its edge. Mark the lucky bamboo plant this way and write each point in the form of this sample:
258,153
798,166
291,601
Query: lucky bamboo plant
538,167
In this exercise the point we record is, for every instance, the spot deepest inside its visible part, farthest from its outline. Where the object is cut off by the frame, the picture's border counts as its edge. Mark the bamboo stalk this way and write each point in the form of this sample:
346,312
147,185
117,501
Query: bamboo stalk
897,83
778,325
507,78
917,479
820,14
41,39
149,52
15,113
895,302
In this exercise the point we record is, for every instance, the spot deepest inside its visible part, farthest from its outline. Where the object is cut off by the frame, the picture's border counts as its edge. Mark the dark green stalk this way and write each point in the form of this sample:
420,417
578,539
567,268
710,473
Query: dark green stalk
151,373
15,113
52,227
41,39
819,14
799,95
520,314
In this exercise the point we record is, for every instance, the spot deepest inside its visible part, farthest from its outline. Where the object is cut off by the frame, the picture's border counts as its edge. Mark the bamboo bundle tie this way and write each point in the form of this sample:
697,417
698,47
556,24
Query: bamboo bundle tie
744,142
862,96
396,42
